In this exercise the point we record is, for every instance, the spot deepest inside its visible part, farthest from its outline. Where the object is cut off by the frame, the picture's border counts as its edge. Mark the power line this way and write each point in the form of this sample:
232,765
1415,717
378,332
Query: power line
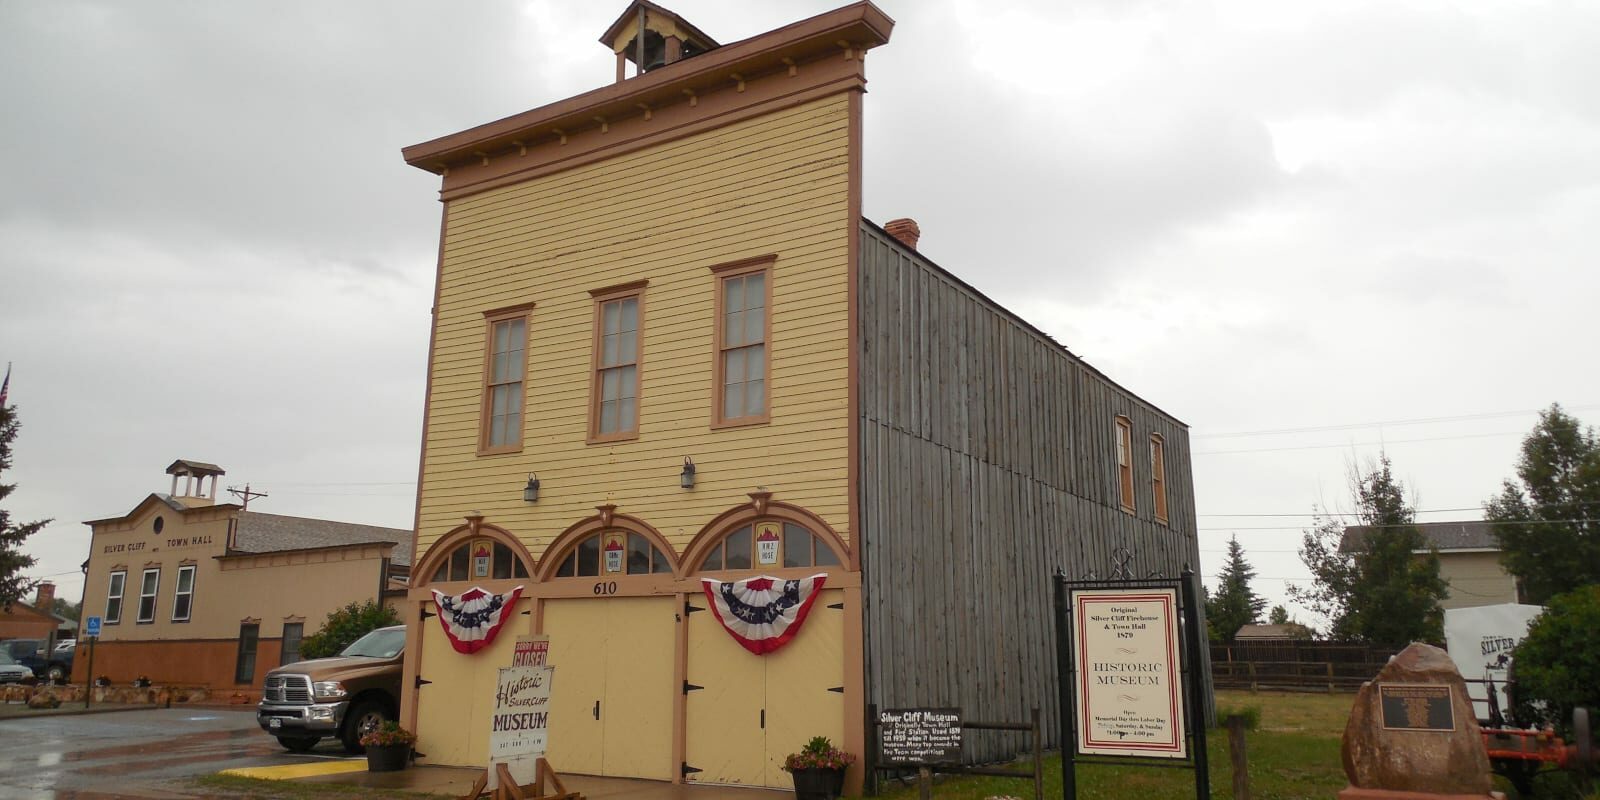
1357,425
1414,511
1410,524
1384,443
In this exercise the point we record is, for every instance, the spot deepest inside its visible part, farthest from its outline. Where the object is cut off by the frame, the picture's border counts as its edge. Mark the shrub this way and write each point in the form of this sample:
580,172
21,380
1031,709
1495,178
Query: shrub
1251,715
1558,664
388,734
819,753
346,625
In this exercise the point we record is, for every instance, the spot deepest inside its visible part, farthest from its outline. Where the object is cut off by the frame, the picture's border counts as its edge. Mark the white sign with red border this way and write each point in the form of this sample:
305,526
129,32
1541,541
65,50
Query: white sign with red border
1129,686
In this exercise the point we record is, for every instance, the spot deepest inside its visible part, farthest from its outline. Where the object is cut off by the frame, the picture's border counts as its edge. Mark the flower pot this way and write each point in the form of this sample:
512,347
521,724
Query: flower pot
818,784
388,757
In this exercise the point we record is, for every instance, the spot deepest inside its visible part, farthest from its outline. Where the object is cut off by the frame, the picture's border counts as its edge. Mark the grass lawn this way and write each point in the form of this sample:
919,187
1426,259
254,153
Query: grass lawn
1294,753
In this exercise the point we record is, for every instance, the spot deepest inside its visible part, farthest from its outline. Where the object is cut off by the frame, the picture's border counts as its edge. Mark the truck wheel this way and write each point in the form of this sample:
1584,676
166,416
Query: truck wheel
299,744
56,673
364,717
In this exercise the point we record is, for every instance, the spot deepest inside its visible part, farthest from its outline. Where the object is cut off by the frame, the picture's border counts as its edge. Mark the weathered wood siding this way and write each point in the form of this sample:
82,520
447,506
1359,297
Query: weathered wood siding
988,459
776,184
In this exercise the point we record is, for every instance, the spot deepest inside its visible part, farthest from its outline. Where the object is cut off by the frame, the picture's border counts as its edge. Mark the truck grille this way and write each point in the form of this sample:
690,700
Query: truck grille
287,689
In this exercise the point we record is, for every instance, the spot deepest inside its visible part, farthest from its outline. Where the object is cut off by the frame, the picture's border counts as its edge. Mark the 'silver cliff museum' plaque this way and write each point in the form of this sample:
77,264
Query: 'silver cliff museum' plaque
1416,707
1129,689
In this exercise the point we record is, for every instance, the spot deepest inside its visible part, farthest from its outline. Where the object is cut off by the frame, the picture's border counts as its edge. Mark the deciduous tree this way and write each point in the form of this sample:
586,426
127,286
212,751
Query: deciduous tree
1384,589
1548,520
346,625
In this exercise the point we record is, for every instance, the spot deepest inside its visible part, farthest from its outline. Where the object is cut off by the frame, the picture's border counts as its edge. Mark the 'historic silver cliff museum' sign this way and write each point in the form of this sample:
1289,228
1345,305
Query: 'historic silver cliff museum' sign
1129,689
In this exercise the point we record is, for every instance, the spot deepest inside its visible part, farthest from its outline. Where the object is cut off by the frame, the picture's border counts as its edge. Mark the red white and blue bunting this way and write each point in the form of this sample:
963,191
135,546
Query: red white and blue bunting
763,614
473,618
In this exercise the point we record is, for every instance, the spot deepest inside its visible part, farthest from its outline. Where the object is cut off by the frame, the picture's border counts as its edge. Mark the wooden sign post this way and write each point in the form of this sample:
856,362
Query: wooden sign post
519,732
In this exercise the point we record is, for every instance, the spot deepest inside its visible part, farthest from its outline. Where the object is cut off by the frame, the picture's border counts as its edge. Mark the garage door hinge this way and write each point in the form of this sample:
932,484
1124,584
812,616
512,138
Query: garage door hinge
688,770
421,683
688,608
689,687
839,689
839,606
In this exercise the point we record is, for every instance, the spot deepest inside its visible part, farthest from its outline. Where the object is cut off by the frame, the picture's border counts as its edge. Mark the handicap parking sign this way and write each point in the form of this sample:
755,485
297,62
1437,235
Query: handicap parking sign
92,627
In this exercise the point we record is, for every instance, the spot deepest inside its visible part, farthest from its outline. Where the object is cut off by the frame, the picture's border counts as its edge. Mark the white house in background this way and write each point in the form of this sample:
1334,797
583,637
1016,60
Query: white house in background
1469,560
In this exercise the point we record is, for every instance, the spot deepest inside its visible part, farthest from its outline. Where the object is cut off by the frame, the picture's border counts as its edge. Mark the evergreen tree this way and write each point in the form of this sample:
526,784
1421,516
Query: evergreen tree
1279,616
1384,589
13,584
1549,521
1235,604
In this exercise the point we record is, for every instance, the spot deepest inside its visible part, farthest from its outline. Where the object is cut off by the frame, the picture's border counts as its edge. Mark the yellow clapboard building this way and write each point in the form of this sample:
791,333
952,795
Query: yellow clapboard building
666,346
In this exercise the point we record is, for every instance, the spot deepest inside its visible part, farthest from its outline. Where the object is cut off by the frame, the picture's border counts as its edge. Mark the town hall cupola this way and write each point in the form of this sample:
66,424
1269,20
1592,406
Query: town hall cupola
651,37
189,482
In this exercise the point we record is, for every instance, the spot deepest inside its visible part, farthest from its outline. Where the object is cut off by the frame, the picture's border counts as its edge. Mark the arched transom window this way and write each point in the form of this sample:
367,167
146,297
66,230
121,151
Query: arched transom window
768,544
613,553
480,559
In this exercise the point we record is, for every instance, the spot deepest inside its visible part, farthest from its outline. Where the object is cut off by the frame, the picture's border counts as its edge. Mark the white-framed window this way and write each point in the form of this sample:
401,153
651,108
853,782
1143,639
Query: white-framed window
183,594
149,583
119,584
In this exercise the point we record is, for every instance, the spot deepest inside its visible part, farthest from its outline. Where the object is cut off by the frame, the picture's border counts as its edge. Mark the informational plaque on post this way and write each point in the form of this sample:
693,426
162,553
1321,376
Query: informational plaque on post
520,724
1129,682
917,736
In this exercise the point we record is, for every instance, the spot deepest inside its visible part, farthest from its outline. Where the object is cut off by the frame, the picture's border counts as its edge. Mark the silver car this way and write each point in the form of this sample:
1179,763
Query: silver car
11,671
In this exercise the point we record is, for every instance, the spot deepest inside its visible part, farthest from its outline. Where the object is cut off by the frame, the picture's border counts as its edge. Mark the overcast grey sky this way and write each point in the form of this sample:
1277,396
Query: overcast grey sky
1260,215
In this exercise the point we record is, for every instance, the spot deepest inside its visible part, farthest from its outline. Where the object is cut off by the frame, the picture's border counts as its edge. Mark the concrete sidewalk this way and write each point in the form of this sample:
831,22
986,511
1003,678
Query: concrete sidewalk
457,781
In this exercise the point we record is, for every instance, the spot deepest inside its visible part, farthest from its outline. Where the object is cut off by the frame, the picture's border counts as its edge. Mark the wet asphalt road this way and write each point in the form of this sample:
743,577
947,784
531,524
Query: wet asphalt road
131,753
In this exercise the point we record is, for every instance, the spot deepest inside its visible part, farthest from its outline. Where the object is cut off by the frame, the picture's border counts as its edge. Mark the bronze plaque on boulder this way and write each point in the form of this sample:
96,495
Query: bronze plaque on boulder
1417,707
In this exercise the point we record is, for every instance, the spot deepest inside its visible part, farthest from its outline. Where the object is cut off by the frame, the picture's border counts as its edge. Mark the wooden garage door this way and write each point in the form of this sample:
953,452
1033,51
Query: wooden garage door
454,707
611,702
751,711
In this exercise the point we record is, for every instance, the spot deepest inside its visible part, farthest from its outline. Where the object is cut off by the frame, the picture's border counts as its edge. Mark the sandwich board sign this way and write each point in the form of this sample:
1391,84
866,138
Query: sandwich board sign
520,723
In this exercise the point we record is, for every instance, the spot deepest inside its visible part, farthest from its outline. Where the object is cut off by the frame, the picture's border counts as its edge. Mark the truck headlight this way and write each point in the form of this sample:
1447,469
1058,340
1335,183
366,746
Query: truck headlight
321,713
328,690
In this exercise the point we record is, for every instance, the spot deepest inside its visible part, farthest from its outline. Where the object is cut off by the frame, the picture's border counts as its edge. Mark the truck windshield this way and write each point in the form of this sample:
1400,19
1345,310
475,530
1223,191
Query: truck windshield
381,643
5,658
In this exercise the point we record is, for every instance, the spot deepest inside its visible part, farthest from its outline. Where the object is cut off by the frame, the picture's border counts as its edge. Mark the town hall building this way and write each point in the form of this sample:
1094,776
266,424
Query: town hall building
666,346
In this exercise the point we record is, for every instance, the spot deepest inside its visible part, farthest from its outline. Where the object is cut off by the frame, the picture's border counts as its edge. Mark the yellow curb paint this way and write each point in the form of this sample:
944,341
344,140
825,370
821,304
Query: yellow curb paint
289,772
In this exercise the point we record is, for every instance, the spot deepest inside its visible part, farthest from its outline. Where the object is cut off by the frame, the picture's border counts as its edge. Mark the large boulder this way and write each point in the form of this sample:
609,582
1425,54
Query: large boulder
44,698
1436,762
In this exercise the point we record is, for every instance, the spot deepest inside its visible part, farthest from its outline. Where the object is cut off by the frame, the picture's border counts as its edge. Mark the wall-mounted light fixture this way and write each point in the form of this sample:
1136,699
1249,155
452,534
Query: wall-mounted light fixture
530,493
686,478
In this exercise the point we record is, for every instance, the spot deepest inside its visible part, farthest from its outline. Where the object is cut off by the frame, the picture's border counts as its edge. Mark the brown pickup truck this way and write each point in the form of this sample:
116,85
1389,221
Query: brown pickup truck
342,697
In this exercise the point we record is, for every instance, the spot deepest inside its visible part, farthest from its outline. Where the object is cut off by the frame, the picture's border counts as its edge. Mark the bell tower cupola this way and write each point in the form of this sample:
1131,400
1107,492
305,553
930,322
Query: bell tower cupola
652,37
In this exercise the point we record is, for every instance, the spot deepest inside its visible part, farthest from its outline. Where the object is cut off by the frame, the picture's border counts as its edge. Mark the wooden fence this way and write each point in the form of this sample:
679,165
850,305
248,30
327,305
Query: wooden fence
1290,665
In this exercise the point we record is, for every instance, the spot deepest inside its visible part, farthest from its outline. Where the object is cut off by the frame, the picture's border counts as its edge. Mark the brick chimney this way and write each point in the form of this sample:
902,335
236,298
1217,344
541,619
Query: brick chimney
47,596
905,229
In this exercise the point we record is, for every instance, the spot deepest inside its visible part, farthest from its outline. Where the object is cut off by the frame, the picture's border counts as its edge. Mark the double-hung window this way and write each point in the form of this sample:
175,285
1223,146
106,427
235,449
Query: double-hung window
293,632
119,583
1158,475
614,391
149,583
504,369
1125,463
744,295
183,594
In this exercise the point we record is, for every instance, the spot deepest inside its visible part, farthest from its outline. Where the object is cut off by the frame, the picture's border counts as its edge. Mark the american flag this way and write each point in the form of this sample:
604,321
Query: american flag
5,388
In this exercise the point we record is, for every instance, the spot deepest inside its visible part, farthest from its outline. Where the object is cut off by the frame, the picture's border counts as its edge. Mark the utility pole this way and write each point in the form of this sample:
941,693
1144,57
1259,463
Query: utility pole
245,495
